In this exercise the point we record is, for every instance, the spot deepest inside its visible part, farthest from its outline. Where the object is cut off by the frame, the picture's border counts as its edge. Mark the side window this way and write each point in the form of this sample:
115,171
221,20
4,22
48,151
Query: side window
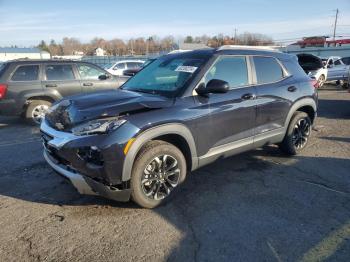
26,73
59,72
119,66
267,69
132,65
337,63
88,72
230,69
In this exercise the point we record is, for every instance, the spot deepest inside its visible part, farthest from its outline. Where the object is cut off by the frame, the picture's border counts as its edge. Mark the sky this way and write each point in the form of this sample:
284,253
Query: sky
27,22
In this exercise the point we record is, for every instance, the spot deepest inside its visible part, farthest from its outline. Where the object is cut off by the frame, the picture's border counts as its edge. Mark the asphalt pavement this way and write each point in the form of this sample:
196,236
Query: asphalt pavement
257,206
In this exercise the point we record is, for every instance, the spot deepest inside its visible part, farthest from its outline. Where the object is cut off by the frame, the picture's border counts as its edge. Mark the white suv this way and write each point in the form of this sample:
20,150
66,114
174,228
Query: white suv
119,67
335,69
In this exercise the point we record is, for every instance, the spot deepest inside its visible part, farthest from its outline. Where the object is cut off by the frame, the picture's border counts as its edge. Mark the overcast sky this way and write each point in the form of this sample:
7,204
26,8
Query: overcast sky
25,23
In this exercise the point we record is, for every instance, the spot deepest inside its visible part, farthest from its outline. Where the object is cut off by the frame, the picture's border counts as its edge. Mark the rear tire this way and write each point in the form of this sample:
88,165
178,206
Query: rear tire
321,80
158,169
297,135
36,110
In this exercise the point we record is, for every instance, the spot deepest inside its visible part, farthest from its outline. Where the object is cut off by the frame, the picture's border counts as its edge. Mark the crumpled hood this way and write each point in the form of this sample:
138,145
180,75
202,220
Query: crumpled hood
81,108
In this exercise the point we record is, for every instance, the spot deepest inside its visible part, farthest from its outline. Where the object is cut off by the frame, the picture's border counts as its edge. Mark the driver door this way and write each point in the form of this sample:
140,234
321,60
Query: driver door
90,81
227,119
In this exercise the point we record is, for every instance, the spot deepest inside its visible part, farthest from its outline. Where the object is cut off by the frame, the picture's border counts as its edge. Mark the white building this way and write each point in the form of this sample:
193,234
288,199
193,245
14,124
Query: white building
99,52
9,53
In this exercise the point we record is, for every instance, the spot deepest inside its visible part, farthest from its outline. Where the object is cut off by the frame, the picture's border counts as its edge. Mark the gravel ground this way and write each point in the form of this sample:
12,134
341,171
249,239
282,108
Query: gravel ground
257,206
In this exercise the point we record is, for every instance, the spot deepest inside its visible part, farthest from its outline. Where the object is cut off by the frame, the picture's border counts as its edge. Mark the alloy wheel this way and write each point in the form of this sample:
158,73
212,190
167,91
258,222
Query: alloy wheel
321,81
39,112
160,177
301,133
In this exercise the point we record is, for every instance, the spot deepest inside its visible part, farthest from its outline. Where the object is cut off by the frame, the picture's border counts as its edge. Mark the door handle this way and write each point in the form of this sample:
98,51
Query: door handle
292,89
88,84
248,96
51,85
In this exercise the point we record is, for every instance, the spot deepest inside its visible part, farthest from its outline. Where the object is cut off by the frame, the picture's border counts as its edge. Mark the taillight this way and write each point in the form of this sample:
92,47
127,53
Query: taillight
314,83
3,90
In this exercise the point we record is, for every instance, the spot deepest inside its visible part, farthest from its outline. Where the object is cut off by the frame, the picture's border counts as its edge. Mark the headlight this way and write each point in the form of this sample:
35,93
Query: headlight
99,126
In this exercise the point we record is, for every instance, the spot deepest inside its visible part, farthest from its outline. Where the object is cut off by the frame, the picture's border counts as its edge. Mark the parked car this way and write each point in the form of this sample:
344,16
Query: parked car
310,63
181,112
134,71
29,87
335,69
119,67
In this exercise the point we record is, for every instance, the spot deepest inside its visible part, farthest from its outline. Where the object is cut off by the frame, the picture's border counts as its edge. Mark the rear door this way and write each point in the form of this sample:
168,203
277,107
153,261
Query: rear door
275,92
61,77
24,79
90,81
338,71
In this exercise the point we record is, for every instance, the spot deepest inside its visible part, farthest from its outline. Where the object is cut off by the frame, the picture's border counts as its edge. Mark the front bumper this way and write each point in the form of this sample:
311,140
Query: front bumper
86,185
61,151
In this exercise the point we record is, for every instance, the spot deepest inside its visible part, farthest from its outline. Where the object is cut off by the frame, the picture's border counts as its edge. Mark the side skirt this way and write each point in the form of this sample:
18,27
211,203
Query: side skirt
242,145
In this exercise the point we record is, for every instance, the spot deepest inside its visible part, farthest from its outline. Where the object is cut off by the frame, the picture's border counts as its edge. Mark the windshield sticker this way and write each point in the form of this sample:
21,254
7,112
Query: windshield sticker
187,69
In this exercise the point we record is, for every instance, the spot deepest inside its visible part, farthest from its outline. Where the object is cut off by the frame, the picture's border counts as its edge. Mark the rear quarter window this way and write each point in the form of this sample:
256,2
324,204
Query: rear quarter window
268,70
26,73
2,68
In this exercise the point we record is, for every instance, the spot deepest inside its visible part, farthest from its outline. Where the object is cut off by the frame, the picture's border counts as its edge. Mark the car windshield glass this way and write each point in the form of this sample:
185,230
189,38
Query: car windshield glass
165,76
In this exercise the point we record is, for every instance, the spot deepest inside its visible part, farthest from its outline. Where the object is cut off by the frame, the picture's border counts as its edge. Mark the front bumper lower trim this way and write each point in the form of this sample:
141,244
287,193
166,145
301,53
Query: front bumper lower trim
88,186
77,180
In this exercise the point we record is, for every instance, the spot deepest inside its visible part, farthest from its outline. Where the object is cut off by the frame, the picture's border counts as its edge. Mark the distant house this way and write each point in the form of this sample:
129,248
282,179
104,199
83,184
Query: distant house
11,53
99,52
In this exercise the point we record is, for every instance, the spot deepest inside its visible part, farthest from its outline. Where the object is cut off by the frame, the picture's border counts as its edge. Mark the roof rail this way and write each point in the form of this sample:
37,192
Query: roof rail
248,47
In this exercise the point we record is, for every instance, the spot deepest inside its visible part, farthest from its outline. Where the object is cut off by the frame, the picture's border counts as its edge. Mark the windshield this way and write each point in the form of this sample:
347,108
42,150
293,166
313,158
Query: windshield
165,76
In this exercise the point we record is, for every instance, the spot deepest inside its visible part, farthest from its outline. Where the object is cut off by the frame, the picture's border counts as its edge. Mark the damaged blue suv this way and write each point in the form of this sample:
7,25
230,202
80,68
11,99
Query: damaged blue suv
179,113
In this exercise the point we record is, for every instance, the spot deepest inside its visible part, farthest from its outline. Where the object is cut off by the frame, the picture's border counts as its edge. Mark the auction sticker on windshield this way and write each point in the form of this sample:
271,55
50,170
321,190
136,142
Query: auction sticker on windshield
187,69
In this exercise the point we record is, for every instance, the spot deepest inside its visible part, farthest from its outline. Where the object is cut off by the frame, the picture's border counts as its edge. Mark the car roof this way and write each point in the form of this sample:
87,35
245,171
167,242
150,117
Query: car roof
232,50
29,61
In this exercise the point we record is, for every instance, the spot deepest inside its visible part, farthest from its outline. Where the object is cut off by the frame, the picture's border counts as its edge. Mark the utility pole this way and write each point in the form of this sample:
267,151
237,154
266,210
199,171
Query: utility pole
235,36
335,25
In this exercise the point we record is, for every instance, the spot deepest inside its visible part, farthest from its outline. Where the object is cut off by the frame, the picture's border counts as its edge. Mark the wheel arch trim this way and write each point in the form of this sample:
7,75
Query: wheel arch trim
298,104
154,132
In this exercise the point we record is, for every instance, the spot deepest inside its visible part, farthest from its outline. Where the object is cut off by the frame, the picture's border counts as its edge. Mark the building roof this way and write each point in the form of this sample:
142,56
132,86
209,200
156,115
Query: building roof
20,50
192,46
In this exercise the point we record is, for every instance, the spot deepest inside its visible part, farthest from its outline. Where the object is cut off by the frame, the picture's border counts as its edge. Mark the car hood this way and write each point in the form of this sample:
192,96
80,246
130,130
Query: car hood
111,103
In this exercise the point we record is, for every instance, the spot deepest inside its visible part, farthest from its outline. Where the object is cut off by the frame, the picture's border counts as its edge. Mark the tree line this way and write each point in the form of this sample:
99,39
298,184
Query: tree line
143,46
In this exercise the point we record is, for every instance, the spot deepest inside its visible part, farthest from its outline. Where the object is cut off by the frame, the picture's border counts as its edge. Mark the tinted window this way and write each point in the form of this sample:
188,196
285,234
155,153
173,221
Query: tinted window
59,72
346,60
132,65
119,66
230,69
267,69
2,68
89,72
26,73
337,62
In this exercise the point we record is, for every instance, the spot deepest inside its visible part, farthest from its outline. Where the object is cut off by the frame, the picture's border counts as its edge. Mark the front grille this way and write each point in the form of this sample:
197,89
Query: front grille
52,151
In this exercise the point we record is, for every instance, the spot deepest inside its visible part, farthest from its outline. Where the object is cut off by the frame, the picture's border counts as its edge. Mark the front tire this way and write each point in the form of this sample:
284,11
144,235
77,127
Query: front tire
158,169
297,135
35,111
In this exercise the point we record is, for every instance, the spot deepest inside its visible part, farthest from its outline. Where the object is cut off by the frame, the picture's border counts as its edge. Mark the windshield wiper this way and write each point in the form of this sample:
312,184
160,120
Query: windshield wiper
146,91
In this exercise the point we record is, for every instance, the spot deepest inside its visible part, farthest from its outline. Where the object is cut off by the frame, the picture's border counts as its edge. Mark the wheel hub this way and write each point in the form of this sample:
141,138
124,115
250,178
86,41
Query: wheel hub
160,177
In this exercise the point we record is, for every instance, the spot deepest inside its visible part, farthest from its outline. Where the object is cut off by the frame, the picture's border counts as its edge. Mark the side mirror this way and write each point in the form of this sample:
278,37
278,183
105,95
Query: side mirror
214,86
103,77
